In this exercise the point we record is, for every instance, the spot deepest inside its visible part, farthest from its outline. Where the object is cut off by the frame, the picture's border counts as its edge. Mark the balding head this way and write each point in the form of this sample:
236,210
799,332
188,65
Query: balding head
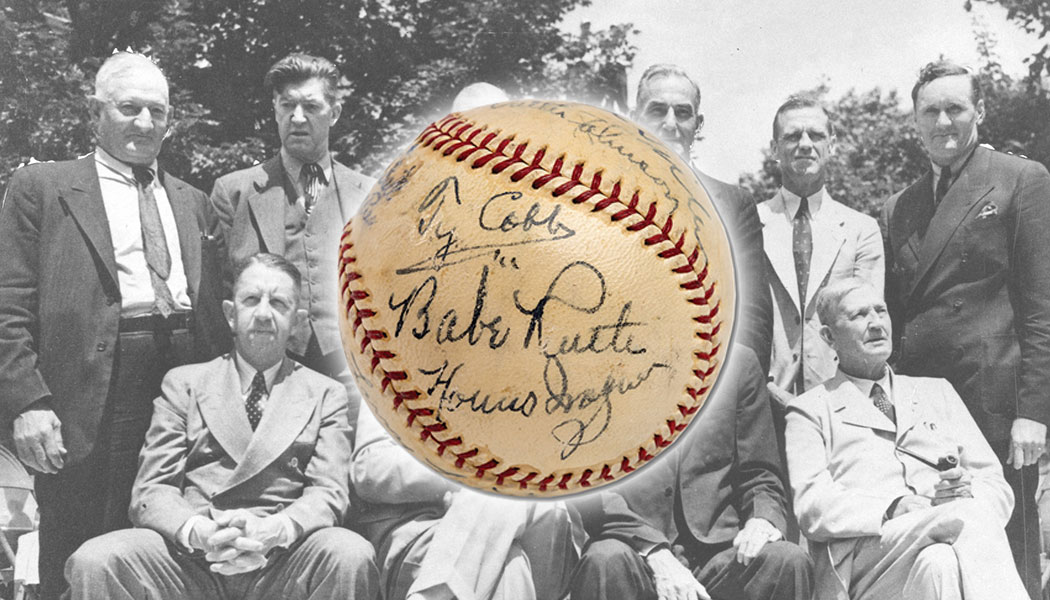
478,94
130,108
124,66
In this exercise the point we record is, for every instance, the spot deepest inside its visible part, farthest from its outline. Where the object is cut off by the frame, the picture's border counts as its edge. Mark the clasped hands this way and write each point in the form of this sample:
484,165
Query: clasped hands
236,541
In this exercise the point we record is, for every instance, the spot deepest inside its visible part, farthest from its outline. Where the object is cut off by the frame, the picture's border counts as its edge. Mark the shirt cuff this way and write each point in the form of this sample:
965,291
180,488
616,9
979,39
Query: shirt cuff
290,530
182,536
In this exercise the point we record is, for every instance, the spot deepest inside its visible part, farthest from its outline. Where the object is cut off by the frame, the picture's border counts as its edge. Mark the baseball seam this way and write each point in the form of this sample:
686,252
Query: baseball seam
455,136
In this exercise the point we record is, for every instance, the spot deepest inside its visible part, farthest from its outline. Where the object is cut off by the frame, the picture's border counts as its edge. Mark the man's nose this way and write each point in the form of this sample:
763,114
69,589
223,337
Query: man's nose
943,119
144,118
297,114
669,122
805,141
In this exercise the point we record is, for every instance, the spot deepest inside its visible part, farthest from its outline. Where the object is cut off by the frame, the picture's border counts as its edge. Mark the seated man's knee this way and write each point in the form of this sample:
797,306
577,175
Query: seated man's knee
787,557
109,553
611,569
937,561
342,549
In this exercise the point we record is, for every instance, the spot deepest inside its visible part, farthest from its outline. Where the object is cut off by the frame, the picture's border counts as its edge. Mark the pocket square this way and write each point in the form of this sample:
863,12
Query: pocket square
989,210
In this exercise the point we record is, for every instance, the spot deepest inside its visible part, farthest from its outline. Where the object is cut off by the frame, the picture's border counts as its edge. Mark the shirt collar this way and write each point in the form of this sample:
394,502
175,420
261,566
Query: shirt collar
119,167
293,166
865,385
246,372
957,166
792,201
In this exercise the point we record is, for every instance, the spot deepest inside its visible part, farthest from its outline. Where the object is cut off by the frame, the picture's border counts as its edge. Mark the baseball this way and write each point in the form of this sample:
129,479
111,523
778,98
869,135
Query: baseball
536,297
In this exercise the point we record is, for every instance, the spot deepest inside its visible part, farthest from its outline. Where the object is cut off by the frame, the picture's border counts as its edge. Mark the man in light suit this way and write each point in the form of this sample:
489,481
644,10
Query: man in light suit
810,241
969,285
243,478
668,103
706,521
106,283
436,540
896,488
296,203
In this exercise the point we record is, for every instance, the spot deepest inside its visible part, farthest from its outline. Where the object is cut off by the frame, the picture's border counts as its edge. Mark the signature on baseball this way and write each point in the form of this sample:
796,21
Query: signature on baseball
582,412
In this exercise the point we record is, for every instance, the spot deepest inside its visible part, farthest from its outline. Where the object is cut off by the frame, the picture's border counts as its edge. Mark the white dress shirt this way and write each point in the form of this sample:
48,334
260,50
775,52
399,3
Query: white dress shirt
120,197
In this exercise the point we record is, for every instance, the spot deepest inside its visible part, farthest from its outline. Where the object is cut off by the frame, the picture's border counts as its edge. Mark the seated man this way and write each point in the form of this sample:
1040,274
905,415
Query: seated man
242,481
714,511
894,484
437,541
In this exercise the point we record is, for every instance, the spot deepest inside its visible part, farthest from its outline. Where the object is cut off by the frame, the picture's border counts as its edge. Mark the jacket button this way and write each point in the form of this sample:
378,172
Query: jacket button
957,305
101,346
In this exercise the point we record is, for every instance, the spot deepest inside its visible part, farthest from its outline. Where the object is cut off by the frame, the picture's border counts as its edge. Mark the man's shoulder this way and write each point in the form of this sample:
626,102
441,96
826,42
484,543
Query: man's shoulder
51,172
200,373
299,374
850,215
722,190
354,178
242,177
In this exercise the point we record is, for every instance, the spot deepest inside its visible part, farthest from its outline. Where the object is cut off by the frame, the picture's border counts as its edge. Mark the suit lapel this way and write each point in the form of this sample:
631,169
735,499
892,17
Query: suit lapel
905,403
223,411
777,231
182,206
827,241
971,186
285,415
350,188
83,199
854,408
267,205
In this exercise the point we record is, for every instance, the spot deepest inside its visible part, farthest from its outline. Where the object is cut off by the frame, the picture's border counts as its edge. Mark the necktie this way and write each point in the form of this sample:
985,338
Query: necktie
926,214
313,181
802,246
154,243
252,404
878,397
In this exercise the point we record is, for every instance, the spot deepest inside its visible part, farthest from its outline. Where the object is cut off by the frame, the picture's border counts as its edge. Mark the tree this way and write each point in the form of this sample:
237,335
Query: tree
402,61
1034,17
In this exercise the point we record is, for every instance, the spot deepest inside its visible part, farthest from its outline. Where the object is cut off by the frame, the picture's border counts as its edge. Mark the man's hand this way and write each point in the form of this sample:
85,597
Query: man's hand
954,484
213,539
260,534
755,534
909,504
674,581
1027,442
38,439
782,396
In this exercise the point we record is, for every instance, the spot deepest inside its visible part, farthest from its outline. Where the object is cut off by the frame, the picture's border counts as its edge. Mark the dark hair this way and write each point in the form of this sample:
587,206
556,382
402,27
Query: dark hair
272,261
296,68
664,70
944,68
797,101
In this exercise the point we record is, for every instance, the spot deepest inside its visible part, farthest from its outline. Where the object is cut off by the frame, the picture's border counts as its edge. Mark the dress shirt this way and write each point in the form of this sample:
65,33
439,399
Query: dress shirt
293,166
120,197
792,201
957,167
865,385
246,373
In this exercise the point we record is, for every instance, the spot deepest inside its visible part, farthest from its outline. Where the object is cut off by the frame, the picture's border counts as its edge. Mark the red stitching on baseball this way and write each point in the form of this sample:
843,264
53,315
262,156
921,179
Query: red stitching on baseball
451,129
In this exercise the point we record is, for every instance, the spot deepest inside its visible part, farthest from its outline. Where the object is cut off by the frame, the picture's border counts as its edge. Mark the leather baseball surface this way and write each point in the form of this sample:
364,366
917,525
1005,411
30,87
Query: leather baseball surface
536,297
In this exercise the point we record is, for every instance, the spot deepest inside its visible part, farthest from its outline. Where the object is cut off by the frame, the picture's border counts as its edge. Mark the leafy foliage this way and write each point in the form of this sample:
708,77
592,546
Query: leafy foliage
402,62
1034,17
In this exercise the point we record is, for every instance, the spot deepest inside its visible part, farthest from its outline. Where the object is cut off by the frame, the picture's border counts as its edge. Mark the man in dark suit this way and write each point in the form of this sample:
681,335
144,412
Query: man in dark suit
668,103
244,473
969,284
296,203
706,521
104,286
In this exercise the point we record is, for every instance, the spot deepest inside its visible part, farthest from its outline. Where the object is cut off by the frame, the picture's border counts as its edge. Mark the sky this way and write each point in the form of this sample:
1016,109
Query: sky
748,56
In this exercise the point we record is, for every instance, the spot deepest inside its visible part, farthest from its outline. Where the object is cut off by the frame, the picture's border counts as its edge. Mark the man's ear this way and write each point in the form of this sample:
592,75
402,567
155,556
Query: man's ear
825,334
699,123
337,109
227,311
980,111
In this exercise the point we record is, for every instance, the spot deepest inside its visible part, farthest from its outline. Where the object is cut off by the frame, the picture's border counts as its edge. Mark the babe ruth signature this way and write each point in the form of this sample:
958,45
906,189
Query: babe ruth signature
584,411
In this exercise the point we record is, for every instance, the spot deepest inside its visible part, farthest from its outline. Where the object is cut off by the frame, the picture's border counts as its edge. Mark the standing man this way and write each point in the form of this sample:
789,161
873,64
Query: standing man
970,285
102,292
810,241
668,103
296,203
244,473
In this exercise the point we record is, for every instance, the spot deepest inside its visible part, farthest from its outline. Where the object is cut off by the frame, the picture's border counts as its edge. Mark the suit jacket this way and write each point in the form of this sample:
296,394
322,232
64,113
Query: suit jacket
724,471
846,243
754,327
845,471
251,204
59,294
200,451
971,300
